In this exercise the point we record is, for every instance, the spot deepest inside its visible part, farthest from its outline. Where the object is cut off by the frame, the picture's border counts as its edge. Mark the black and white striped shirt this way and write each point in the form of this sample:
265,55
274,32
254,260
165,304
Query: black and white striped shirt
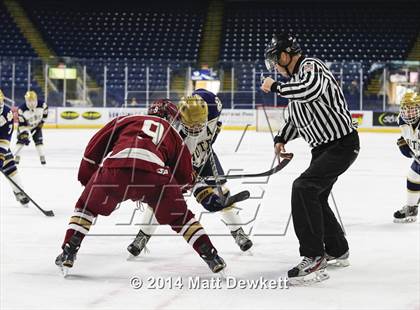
317,109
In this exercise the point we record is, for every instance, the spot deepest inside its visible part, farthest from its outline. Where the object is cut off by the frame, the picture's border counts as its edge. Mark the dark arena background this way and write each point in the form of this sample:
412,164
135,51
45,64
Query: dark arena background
92,61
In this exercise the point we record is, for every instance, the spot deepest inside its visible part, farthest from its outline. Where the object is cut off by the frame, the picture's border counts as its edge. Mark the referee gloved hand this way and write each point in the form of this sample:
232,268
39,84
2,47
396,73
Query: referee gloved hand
280,150
267,84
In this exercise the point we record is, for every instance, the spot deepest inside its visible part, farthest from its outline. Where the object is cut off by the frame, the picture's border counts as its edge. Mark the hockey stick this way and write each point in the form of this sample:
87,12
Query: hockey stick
216,175
17,151
415,157
267,173
46,212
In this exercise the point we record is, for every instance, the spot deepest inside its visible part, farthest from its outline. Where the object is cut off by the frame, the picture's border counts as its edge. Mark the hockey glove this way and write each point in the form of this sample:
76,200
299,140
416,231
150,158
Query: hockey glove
23,138
404,147
209,199
86,170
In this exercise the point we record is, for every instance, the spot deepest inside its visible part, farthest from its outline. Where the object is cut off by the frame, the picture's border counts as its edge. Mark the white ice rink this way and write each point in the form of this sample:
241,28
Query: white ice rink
384,271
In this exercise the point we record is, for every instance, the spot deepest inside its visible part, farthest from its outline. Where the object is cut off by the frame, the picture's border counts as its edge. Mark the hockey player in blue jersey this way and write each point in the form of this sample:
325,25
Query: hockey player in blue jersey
32,115
409,144
200,126
7,163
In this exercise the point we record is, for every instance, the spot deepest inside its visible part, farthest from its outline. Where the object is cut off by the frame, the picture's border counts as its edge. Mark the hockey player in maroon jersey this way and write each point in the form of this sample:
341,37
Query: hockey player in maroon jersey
142,158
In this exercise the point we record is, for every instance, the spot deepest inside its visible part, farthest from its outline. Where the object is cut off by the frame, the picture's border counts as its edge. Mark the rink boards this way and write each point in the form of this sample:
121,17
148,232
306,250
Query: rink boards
232,119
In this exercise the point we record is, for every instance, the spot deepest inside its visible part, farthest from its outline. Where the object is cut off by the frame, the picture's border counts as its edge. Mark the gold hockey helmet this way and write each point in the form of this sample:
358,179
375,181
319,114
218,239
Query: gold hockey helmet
410,107
193,111
31,99
1,97
1,101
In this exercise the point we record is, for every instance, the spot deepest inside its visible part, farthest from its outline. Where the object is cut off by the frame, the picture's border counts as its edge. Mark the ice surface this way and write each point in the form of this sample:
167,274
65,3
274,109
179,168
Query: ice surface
384,271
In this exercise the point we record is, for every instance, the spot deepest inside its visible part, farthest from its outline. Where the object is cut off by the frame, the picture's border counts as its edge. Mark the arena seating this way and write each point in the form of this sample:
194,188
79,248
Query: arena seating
13,49
154,36
334,32
157,36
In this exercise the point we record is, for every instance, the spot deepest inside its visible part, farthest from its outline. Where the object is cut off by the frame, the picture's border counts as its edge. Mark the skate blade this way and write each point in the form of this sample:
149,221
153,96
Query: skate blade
64,271
312,278
132,258
248,252
221,274
339,263
409,219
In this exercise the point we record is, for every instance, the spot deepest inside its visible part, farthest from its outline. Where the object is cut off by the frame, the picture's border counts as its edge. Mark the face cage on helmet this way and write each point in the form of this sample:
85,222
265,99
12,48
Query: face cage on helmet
31,104
410,114
194,130
271,59
270,65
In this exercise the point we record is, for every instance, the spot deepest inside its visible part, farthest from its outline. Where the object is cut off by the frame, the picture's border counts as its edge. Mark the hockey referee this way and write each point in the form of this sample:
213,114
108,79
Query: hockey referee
319,114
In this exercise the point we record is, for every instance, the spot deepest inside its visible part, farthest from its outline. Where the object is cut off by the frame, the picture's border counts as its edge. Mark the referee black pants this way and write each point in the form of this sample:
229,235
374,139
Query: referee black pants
315,224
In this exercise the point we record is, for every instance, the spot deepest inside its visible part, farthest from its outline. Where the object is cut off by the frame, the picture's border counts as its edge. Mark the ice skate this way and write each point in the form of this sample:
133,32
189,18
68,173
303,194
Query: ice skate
241,239
17,159
138,244
66,259
407,214
341,261
212,259
42,159
309,270
21,197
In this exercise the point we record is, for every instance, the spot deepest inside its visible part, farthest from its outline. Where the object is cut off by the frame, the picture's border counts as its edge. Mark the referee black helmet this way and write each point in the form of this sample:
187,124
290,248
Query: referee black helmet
282,42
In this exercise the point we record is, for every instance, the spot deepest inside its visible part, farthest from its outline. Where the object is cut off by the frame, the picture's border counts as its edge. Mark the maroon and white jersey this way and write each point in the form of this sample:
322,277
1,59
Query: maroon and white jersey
146,143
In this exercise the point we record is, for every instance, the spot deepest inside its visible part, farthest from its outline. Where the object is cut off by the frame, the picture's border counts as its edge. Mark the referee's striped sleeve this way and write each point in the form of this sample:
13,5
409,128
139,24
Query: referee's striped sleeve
287,133
309,88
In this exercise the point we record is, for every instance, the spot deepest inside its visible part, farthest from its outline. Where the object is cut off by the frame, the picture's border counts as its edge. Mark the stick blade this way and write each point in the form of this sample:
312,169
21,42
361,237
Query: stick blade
49,213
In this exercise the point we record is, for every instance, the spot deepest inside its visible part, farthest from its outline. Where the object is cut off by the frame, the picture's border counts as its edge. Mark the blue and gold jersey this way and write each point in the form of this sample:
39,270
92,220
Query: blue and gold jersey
411,134
30,119
6,130
200,146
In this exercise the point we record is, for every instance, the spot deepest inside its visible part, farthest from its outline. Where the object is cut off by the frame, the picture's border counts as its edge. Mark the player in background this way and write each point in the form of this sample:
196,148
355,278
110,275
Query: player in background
7,163
409,144
200,126
142,158
32,115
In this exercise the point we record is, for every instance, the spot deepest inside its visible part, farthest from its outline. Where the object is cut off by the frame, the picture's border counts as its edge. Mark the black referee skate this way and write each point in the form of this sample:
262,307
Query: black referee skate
309,270
341,261
21,197
407,214
212,259
66,259
138,244
241,239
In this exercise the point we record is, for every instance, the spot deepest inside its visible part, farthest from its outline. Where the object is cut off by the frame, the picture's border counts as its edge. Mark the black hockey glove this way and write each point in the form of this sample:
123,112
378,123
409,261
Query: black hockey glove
404,147
23,138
